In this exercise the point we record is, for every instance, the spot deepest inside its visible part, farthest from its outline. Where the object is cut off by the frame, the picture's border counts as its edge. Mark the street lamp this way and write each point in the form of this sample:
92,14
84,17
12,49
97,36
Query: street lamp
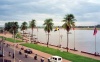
14,44
3,48
60,42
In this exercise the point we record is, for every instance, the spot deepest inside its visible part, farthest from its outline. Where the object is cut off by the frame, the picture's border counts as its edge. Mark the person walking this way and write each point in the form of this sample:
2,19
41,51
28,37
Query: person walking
20,61
26,55
9,54
13,55
20,52
35,57
42,59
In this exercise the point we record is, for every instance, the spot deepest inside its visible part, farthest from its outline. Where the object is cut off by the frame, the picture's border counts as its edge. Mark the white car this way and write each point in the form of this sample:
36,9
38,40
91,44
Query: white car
55,59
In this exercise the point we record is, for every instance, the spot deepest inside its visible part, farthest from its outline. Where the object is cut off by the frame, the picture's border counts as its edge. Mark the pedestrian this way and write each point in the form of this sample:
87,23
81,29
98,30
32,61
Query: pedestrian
42,59
48,60
13,55
26,55
9,54
22,48
20,52
17,46
35,57
7,45
20,61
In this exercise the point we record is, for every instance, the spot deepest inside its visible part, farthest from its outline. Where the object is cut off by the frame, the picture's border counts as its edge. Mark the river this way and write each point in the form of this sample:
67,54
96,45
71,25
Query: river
84,39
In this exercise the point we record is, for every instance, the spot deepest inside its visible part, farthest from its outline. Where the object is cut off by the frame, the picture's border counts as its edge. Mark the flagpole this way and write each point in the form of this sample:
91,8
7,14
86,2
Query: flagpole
74,39
37,33
95,45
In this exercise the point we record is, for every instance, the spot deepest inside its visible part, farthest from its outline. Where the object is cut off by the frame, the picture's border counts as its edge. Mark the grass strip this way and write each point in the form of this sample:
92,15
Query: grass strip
11,39
65,55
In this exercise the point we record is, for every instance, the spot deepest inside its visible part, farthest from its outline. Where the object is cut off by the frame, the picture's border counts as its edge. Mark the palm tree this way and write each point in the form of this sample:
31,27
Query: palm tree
32,26
14,28
48,23
69,23
23,27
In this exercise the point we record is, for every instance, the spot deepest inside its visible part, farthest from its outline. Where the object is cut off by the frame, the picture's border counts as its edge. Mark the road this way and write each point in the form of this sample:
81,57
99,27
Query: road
19,57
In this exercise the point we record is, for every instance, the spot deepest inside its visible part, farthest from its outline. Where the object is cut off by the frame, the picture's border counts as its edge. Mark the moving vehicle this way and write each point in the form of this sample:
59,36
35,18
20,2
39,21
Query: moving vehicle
28,51
55,59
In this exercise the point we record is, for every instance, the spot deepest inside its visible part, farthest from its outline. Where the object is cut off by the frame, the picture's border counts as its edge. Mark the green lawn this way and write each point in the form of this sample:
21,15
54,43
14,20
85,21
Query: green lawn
11,40
65,55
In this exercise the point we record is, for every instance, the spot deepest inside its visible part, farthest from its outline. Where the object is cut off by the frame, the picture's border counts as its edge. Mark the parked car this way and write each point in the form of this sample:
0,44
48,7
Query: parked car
29,51
55,59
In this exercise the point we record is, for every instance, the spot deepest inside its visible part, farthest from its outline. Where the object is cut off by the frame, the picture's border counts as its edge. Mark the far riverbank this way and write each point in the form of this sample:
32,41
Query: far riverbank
86,28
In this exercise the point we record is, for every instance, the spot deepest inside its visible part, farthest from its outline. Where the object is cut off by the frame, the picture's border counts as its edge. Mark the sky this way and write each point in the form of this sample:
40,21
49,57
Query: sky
86,12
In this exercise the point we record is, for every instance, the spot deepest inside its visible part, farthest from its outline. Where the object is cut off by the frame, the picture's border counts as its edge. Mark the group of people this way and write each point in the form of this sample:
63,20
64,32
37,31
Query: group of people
35,57
26,56
9,54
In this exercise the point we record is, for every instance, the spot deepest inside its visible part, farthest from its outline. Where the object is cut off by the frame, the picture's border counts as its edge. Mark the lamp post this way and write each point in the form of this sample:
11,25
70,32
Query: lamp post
59,38
3,48
29,37
74,39
34,37
14,44
60,42
37,33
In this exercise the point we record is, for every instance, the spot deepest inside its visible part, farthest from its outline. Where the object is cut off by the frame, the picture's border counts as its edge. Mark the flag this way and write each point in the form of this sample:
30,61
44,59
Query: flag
56,29
95,31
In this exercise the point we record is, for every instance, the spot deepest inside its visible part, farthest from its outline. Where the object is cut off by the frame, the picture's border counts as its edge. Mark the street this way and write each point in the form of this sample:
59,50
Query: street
18,56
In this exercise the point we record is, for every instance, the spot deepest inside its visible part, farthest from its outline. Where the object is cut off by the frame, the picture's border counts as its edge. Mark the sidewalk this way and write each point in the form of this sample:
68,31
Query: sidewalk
75,52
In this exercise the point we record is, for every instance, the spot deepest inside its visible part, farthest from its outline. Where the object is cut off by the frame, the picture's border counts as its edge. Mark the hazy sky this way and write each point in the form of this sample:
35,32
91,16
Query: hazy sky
87,12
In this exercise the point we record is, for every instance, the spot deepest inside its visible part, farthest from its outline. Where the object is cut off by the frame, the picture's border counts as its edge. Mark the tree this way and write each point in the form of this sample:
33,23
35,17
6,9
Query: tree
8,26
11,26
69,23
48,23
23,27
32,25
14,28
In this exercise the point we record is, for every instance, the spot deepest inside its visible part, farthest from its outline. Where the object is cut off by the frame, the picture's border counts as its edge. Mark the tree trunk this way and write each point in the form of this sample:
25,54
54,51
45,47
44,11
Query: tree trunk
23,35
48,40
14,35
67,40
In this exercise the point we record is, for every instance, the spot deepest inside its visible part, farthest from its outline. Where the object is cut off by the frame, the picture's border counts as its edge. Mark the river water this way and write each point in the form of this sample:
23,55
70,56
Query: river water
84,39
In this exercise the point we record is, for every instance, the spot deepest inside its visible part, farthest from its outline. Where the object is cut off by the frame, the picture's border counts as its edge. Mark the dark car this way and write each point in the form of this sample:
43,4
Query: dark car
29,51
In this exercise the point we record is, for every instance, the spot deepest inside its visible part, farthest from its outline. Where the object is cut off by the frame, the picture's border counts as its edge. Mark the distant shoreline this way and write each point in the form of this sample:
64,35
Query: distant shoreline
86,28
78,28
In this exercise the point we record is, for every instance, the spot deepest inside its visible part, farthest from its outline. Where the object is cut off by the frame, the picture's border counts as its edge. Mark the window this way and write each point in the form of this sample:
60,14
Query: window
55,58
59,58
